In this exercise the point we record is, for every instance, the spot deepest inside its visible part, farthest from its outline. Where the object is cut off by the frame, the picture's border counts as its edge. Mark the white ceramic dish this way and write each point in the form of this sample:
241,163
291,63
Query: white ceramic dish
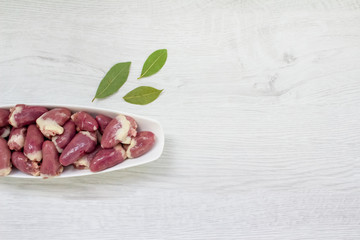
144,124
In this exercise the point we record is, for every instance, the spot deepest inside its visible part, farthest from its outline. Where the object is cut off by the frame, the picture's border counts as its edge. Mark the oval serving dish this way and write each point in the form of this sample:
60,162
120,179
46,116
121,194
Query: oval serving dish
144,124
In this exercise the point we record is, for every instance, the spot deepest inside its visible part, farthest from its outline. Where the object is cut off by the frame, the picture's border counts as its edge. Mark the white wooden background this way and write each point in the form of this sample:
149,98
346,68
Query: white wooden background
260,109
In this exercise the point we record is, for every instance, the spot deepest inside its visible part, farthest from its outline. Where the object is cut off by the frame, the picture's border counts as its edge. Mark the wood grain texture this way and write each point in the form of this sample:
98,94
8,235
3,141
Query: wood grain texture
261,112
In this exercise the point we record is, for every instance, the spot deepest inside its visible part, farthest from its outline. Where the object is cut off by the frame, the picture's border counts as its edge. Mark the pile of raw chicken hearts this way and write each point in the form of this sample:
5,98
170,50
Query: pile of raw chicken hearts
40,141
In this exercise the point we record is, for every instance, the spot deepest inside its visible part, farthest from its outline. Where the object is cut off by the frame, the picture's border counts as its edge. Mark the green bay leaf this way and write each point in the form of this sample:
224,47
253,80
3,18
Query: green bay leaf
142,95
113,80
154,63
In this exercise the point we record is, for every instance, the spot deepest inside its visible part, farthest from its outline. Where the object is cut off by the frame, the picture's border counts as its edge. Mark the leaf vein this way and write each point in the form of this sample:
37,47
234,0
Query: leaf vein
152,64
141,95
110,82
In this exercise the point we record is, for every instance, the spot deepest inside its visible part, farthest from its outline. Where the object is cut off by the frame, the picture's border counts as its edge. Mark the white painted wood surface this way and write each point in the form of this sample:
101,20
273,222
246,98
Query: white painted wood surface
260,109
